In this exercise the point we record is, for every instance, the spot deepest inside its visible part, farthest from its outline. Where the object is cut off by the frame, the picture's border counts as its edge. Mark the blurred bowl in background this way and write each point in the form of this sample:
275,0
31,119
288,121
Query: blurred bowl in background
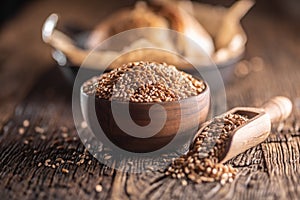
220,20
69,70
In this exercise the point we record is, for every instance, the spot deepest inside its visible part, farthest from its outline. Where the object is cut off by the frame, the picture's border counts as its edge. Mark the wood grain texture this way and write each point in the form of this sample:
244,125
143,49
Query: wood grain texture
267,171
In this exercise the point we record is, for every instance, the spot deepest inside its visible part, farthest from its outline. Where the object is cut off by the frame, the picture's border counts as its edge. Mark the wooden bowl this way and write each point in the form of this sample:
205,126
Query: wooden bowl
183,119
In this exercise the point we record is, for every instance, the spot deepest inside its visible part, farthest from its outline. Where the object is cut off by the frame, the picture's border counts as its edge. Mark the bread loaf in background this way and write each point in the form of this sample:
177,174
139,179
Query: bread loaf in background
192,40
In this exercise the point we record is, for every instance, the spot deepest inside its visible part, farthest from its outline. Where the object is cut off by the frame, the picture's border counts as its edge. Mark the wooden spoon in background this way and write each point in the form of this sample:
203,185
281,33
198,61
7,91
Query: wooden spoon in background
256,129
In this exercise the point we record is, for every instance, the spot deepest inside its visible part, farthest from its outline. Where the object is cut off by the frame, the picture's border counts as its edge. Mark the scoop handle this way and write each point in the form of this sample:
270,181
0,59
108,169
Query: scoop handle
278,108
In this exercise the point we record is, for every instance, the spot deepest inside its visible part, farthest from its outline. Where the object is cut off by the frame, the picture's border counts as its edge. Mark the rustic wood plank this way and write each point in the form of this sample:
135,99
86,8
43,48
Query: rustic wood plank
268,171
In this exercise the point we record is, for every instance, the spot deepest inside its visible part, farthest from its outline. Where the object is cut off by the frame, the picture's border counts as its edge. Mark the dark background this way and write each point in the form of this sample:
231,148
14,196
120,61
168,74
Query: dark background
9,8
291,8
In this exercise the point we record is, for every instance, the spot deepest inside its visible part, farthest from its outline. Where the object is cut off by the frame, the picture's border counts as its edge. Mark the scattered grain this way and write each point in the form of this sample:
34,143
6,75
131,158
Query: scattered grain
38,129
107,157
98,188
43,137
184,182
65,135
64,170
81,161
26,123
59,160
21,131
47,162
83,124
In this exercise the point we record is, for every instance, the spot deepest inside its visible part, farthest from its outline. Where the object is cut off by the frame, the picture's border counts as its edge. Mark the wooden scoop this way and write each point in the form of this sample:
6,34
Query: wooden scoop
257,128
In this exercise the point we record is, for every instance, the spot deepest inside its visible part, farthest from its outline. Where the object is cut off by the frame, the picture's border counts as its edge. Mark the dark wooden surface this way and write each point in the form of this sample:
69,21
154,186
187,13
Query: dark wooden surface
32,88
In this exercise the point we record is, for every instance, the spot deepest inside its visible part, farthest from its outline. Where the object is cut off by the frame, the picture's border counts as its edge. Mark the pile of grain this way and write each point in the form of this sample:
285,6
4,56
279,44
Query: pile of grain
144,82
201,163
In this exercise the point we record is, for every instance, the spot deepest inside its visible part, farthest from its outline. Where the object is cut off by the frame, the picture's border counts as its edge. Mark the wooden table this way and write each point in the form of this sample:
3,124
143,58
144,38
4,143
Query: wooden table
33,88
